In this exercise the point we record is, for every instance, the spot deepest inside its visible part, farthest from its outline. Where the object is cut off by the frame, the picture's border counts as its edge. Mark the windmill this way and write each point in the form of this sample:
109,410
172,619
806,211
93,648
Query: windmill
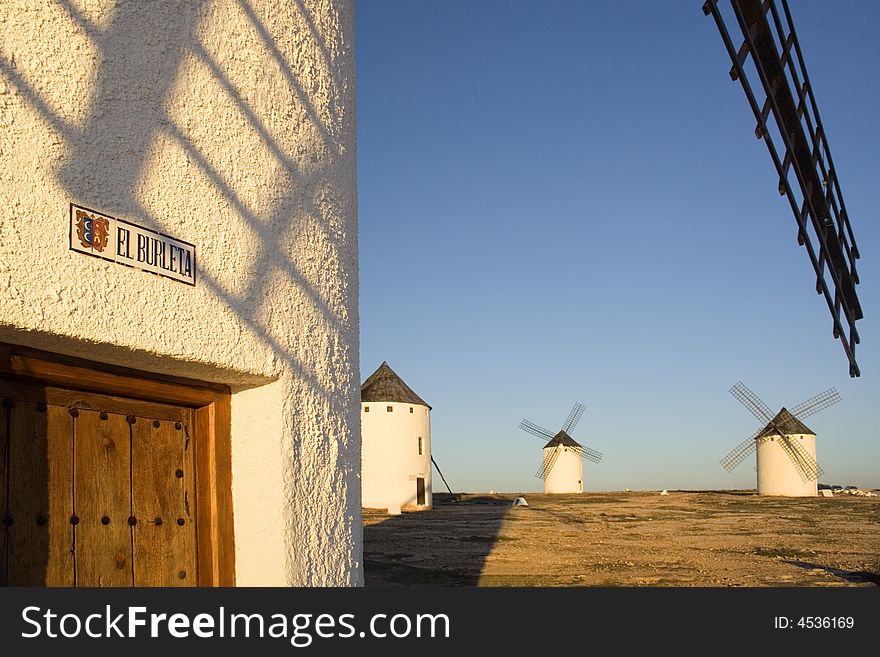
562,467
786,448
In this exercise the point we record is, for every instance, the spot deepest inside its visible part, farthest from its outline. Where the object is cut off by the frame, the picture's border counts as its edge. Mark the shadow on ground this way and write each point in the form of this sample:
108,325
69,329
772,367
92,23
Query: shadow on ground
848,575
406,550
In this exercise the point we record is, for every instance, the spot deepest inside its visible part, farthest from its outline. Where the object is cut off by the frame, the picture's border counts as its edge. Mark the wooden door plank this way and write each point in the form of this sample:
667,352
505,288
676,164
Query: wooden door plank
163,502
36,361
111,404
60,568
102,499
190,490
27,543
19,389
189,500
41,496
103,382
210,443
213,459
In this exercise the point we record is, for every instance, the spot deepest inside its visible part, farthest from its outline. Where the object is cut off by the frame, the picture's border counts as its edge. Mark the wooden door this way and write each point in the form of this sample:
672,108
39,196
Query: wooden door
420,491
95,490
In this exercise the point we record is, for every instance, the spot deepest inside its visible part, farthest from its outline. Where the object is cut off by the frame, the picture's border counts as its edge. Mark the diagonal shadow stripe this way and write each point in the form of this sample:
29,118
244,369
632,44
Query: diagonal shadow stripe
295,201
88,27
62,127
268,238
289,76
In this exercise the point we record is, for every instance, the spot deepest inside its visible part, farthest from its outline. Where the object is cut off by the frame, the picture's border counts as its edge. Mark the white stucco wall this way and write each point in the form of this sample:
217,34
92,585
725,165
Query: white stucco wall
566,475
230,125
390,456
777,474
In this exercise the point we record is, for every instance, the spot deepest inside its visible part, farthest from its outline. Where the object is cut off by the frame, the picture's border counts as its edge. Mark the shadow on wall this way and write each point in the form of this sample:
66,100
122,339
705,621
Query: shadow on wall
136,110
24,490
428,548
141,49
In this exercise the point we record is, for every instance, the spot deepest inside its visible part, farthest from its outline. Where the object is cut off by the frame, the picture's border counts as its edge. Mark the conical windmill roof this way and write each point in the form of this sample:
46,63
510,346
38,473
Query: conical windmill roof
384,385
562,438
786,423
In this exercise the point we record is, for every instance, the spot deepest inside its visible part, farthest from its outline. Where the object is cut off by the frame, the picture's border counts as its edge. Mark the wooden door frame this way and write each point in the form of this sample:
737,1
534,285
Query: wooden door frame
211,403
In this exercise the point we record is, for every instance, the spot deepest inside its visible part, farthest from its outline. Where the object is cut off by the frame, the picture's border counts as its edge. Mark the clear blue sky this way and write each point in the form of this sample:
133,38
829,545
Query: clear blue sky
565,201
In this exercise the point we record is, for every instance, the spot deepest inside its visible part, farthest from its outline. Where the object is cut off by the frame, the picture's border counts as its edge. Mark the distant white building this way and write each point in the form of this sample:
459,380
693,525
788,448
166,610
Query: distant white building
562,466
396,445
780,458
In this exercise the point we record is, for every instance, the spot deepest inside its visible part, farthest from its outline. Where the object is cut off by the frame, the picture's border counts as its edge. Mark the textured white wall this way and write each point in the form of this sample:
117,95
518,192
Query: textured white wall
777,474
229,124
566,476
258,485
390,454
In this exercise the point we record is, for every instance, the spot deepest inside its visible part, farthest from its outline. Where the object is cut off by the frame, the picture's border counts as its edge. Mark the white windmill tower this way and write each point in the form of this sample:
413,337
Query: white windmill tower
562,467
786,447
395,445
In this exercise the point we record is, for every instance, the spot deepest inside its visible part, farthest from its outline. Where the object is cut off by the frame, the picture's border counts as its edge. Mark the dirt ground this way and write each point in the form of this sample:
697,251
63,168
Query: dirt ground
711,538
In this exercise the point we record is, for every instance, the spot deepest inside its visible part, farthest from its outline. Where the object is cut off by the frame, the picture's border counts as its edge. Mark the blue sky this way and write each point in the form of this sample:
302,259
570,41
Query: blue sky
566,202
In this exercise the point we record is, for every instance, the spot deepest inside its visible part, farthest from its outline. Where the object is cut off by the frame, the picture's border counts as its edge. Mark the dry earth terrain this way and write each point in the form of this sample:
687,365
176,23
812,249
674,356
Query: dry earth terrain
620,539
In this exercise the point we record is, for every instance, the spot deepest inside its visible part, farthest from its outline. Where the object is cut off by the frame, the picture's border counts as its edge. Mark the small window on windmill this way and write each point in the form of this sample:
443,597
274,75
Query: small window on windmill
421,446
410,409
366,409
390,409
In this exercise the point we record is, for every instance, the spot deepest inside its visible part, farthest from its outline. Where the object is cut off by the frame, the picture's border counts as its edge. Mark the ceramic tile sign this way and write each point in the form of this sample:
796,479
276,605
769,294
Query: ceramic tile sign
124,243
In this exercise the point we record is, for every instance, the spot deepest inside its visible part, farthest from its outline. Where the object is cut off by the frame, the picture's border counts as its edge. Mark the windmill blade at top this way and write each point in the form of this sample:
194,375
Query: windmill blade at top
573,418
815,404
534,429
740,452
752,402
591,454
789,123
547,465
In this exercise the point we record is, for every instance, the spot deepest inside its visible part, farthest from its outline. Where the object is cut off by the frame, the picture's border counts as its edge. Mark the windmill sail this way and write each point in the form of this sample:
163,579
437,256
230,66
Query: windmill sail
592,455
783,429
786,443
752,402
815,404
573,418
738,454
807,464
535,430
560,442
549,462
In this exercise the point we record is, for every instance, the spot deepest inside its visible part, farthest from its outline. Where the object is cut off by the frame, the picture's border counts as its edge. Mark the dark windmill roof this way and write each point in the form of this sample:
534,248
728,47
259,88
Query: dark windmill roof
562,438
786,423
384,385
